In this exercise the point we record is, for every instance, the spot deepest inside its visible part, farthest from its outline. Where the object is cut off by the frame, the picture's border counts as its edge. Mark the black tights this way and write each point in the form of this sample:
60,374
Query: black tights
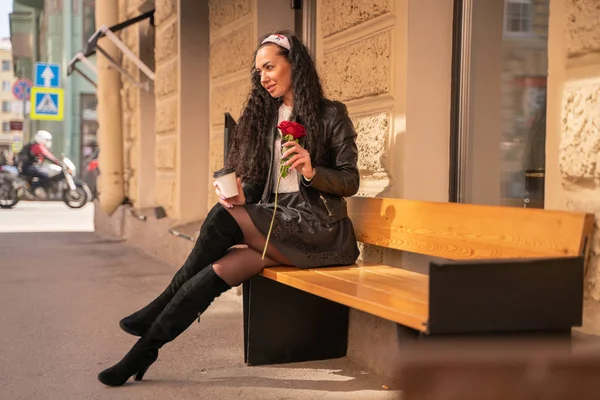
241,264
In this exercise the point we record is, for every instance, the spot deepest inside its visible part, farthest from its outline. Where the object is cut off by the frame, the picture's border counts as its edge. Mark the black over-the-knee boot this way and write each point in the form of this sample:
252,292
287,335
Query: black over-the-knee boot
219,232
191,300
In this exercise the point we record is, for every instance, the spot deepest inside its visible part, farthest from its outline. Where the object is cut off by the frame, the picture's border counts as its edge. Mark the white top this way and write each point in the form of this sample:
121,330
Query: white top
289,184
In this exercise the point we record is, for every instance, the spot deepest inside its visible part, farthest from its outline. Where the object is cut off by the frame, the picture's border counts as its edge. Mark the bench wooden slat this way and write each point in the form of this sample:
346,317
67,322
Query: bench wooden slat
468,231
405,300
383,279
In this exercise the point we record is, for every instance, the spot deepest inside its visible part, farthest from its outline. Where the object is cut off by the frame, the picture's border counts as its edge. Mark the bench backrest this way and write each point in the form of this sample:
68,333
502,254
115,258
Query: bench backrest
468,231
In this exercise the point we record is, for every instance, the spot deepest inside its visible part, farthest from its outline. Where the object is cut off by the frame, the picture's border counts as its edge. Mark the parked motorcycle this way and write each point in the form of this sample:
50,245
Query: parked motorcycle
62,184
12,186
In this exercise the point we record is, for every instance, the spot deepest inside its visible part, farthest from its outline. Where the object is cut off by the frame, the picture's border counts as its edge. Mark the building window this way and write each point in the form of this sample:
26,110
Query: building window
89,24
6,106
6,86
5,65
5,126
517,17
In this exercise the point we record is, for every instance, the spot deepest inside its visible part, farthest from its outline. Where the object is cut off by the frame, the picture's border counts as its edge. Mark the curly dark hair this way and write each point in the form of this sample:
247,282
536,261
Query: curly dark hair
248,149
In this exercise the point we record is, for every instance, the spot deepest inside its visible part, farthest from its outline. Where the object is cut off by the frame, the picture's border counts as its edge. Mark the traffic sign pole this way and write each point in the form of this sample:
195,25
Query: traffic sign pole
25,130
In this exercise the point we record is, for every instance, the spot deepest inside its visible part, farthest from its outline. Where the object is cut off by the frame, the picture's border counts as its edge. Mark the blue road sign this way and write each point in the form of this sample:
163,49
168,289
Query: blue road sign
47,75
46,104
21,89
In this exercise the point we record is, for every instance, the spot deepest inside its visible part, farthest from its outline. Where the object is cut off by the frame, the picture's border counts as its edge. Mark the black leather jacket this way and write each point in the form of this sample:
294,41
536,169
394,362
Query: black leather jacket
336,179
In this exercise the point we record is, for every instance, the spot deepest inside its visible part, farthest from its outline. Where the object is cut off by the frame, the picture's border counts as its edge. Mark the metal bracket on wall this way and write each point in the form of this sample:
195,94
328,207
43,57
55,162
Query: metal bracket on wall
81,57
129,54
92,46
182,235
106,32
132,212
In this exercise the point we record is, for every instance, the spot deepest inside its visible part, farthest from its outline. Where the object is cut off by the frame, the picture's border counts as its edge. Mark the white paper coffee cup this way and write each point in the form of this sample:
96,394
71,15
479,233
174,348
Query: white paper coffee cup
227,182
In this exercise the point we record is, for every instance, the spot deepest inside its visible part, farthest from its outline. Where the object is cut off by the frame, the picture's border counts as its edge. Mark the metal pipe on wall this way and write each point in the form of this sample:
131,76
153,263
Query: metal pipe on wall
110,132
68,134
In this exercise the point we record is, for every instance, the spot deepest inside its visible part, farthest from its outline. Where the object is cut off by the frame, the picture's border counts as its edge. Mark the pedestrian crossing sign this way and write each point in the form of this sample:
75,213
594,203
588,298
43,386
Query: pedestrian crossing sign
47,104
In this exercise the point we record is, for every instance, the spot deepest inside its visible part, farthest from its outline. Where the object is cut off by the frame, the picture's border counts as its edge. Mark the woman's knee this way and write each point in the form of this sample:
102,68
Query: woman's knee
239,265
216,212
219,219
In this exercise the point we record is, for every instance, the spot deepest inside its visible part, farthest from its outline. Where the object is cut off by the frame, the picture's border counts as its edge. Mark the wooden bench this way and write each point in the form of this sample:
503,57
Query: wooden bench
493,269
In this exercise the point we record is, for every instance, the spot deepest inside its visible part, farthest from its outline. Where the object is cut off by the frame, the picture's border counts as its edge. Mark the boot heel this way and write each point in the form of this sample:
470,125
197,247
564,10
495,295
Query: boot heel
140,374
135,363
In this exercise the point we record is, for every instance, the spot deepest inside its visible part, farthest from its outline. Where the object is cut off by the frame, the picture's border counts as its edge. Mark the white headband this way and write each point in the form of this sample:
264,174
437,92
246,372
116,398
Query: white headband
279,40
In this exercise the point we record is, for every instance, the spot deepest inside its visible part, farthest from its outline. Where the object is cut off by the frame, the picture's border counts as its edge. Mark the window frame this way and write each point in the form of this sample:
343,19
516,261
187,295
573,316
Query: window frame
9,110
525,33
6,124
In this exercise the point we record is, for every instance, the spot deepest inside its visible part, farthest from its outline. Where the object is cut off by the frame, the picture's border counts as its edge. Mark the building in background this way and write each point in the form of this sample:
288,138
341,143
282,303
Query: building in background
9,111
53,31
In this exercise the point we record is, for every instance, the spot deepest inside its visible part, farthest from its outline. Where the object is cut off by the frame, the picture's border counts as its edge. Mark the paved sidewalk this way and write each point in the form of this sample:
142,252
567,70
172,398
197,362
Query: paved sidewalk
48,216
62,295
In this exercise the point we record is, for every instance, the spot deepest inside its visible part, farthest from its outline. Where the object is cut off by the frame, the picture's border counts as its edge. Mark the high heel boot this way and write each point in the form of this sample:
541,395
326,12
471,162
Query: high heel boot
135,363
191,300
219,232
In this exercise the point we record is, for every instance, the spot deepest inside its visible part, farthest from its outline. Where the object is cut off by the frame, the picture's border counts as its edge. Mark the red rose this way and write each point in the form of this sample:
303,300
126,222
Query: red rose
292,128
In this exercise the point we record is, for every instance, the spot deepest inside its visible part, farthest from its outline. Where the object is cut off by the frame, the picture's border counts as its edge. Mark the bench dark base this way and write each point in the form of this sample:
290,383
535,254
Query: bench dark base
408,336
481,299
283,324
505,295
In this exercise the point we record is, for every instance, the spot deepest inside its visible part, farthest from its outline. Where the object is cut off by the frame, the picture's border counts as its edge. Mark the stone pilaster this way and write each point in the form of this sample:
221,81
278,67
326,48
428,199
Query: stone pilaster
575,72
166,89
340,15
583,27
357,67
131,98
359,64
579,162
232,40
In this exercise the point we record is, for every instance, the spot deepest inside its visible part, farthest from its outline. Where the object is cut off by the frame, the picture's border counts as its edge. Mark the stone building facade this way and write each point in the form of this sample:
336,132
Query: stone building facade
390,62
573,134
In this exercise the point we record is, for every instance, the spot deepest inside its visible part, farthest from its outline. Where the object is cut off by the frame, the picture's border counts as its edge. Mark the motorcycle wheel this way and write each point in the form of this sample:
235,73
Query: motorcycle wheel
81,198
9,196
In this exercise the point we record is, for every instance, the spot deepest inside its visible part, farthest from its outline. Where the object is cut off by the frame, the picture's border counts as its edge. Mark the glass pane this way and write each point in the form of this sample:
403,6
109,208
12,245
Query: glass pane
89,24
505,159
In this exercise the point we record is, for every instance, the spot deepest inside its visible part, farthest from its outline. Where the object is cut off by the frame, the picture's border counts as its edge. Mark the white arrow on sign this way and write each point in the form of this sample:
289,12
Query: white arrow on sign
47,76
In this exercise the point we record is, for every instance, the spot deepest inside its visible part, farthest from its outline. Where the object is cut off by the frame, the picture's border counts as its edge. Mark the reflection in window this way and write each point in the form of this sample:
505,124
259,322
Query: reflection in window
5,65
524,70
6,86
517,16
503,156
89,124
6,106
6,126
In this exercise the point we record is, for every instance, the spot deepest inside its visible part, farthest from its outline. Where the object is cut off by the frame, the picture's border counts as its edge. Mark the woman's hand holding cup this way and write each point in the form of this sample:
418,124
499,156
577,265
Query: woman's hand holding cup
228,188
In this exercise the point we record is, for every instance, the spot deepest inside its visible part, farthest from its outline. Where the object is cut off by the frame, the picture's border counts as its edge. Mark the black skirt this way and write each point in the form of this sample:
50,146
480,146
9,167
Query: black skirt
301,237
